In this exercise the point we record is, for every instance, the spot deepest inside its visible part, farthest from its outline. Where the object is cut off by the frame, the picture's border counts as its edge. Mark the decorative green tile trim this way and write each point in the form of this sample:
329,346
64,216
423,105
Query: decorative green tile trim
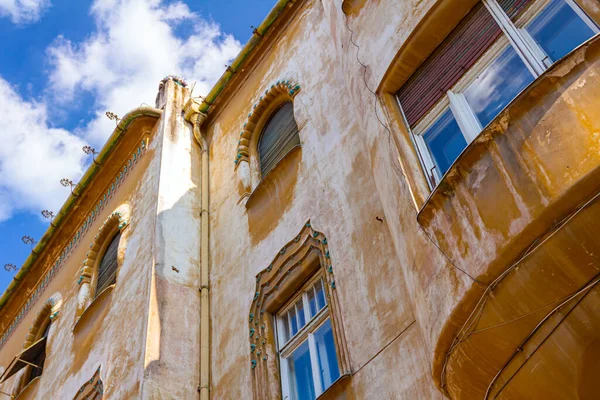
74,242
291,256
284,88
91,388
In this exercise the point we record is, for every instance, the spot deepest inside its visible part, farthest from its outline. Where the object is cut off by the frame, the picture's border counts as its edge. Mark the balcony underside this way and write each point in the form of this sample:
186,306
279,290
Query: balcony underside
518,211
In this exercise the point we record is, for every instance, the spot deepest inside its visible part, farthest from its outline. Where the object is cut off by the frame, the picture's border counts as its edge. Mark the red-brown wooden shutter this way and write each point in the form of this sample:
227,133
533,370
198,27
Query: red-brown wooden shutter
279,136
448,63
514,8
107,270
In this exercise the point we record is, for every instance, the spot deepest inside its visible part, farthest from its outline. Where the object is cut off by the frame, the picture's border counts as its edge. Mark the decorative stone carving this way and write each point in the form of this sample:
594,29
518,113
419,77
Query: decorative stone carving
50,312
92,389
117,221
304,256
279,92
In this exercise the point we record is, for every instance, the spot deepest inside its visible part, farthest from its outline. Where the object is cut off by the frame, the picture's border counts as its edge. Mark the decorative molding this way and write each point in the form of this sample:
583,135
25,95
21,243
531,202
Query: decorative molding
281,88
76,239
92,389
118,220
49,311
298,260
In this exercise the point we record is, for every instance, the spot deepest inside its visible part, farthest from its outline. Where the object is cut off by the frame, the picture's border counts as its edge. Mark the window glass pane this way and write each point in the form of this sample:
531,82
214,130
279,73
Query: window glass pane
497,85
301,379
312,302
285,334
300,313
293,322
444,141
328,366
558,29
320,295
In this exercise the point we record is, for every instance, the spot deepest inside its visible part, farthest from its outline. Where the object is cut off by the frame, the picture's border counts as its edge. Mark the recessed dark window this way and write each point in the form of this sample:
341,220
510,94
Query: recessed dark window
107,270
32,357
279,136
39,356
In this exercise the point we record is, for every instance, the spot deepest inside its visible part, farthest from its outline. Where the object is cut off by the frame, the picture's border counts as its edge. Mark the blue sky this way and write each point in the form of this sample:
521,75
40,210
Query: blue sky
63,63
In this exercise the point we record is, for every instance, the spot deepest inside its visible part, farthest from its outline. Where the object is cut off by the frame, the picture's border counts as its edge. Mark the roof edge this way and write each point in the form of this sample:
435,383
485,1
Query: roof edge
86,179
247,50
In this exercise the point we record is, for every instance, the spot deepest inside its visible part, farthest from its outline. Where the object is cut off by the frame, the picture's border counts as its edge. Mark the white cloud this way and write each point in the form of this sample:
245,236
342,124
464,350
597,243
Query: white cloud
133,47
134,44
23,11
33,156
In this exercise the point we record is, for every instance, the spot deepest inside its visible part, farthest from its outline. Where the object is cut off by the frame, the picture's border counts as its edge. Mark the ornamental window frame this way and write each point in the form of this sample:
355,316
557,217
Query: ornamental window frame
247,160
114,225
36,341
301,260
515,36
266,130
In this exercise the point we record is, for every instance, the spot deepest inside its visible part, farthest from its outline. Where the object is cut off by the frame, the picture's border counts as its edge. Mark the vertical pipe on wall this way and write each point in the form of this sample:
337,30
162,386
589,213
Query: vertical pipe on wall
192,114
204,288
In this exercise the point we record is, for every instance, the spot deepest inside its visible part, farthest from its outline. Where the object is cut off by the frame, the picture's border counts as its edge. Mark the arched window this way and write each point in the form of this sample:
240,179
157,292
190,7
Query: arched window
33,356
107,269
278,137
39,356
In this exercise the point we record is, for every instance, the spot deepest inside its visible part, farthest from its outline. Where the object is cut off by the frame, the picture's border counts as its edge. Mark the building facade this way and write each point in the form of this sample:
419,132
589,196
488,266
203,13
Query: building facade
377,200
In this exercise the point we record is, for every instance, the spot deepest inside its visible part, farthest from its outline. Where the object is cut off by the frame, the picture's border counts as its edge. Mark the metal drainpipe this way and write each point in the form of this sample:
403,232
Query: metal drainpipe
197,118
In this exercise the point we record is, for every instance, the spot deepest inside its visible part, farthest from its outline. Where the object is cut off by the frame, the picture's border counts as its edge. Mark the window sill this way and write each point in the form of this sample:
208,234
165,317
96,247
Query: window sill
29,389
95,306
338,389
276,170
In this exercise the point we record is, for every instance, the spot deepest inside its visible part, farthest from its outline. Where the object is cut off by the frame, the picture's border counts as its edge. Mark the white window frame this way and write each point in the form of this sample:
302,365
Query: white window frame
533,56
304,334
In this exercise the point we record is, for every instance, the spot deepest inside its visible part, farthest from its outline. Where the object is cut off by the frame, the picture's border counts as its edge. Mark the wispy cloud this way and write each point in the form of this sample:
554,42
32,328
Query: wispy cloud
133,45
33,156
23,11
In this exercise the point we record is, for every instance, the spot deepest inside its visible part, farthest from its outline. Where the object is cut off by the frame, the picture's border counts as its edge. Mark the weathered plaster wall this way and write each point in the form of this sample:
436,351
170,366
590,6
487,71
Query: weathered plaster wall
112,335
330,181
172,355
430,279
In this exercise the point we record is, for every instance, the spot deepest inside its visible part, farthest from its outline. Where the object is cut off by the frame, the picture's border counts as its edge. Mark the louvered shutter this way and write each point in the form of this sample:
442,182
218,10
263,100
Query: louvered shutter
107,271
514,8
448,63
279,136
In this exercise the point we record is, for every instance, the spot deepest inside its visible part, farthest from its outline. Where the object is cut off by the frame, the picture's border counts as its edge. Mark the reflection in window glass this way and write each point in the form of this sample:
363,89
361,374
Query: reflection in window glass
285,328
307,347
301,373
300,311
320,295
293,322
558,29
497,85
328,366
445,141
312,302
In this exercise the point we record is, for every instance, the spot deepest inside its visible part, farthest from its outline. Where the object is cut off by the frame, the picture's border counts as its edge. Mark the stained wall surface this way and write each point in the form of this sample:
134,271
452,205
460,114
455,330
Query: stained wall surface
330,180
401,296
111,333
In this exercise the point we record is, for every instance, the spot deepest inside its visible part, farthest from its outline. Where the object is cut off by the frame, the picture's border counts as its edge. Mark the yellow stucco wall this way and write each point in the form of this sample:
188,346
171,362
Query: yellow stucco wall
112,335
401,299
